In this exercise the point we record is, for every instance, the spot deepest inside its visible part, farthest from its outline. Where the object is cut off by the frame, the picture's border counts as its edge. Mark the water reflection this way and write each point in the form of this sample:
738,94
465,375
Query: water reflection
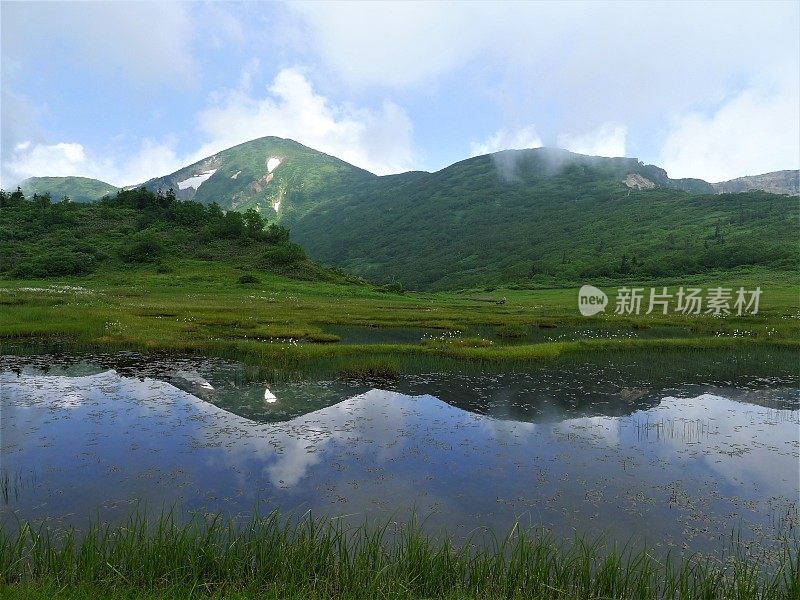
682,467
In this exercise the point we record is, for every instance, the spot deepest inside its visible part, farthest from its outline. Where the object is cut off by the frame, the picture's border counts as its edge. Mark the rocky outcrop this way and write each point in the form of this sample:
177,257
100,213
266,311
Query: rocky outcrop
638,182
777,182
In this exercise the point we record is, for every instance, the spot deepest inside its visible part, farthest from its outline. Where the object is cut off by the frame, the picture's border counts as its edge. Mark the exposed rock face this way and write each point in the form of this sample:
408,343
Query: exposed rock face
638,182
777,182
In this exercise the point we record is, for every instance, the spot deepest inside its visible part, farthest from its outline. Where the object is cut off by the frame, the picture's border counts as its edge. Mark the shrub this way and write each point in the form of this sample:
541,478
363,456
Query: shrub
55,264
276,234
283,255
247,278
143,248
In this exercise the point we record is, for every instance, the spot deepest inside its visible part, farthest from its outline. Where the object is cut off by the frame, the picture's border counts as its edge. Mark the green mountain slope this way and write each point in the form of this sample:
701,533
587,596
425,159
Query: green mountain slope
265,174
137,229
539,216
78,189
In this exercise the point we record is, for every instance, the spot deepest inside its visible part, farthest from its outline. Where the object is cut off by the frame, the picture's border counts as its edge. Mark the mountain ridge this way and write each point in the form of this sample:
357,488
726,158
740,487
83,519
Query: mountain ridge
777,182
535,216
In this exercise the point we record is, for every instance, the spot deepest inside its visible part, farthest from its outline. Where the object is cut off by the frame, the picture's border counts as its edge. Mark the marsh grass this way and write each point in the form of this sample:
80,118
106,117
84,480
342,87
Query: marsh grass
633,361
512,331
447,342
372,369
280,324
306,557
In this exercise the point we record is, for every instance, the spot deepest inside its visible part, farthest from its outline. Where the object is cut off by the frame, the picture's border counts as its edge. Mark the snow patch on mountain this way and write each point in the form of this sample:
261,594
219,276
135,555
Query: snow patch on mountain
196,181
276,201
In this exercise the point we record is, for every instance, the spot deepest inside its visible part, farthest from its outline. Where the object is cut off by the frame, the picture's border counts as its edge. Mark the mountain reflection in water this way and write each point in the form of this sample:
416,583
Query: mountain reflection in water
681,467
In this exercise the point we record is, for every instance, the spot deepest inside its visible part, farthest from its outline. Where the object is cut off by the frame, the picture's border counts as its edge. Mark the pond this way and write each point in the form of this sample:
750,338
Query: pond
568,448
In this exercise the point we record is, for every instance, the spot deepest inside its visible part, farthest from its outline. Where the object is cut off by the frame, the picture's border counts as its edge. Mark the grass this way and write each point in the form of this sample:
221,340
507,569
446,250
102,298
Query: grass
512,331
446,342
281,323
370,369
273,557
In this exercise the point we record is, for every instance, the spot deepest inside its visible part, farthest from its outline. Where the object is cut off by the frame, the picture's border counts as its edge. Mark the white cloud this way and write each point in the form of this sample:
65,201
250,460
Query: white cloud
507,140
566,67
58,160
379,140
608,140
151,160
401,44
17,126
147,41
391,43
65,159
753,132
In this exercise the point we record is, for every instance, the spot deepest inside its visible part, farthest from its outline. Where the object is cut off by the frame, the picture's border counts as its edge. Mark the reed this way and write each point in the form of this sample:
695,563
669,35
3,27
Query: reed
307,557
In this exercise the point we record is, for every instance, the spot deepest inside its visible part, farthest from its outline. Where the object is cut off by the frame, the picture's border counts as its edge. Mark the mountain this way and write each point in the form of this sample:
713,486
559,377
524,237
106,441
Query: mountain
544,216
78,189
531,217
777,182
263,174
247,176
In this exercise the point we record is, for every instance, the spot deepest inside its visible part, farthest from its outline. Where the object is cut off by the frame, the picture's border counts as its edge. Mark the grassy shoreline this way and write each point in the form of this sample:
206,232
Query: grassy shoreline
308,557
281,323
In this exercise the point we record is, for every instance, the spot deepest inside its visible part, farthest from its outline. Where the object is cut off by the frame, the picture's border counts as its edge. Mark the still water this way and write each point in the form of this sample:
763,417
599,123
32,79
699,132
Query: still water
572,449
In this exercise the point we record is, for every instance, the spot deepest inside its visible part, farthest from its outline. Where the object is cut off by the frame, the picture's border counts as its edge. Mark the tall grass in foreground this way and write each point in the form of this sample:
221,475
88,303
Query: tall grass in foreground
272,557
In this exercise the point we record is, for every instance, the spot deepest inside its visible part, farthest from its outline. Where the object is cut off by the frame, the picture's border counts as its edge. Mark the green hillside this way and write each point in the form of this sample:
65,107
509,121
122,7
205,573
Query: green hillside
542,217
524,217
137,228
78,189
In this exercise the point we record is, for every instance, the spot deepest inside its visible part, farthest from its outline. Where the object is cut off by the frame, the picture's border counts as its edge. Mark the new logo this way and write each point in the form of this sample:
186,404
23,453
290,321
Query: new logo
591,300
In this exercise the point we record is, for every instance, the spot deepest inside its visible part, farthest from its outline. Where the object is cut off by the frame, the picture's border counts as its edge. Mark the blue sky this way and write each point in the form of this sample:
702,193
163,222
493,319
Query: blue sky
128,91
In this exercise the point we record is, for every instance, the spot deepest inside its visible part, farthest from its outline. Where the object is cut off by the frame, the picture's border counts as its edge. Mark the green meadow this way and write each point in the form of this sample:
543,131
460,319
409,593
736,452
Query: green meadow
144,271
282,324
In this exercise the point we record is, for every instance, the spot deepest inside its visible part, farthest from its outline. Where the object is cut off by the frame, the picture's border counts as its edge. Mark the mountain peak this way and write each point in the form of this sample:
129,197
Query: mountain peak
259,174
78,189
